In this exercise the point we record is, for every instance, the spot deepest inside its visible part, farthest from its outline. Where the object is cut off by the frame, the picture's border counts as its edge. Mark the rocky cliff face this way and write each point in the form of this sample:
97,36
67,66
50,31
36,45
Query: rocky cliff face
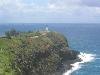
43,55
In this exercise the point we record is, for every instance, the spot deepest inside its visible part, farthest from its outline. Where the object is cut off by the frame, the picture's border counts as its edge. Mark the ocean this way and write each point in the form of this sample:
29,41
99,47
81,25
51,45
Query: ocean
82,37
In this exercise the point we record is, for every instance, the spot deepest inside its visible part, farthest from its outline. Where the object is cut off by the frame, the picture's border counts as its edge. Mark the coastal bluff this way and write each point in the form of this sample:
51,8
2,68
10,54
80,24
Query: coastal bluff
43,55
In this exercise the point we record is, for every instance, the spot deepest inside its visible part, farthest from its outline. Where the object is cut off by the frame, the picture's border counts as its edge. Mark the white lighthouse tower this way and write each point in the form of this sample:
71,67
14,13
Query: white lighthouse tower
46,27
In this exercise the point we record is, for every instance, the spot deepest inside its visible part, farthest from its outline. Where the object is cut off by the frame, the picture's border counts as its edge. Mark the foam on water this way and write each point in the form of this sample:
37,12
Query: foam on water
84,57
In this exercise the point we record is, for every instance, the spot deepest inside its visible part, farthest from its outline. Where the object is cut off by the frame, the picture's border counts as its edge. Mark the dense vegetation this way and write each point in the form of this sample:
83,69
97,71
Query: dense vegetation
34,56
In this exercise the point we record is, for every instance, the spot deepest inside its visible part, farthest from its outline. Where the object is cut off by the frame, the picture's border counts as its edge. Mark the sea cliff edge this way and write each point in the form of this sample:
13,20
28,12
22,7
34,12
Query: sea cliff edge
39,53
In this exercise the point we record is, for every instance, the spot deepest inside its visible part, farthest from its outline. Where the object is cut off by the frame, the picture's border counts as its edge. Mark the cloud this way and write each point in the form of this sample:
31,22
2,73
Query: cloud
65,2
52,11
90,3
78,7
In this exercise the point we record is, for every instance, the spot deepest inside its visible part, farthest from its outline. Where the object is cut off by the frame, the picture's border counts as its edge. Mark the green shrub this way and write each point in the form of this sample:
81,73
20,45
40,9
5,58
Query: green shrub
13,32
7,69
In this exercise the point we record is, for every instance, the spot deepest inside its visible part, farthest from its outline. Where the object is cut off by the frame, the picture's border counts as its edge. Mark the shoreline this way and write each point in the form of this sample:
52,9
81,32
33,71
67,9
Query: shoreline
83,57
67,65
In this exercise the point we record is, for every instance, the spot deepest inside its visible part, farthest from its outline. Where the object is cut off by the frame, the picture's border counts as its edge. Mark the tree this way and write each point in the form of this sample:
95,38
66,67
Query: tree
13,32
29,31
18,32
7,34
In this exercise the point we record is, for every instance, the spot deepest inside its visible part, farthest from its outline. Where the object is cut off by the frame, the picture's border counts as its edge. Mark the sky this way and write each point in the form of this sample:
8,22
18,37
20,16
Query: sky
49,11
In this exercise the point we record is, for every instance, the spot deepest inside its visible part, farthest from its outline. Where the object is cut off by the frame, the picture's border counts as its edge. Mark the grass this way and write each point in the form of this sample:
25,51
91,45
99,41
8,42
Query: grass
5,43
33,34
29,35
4,55
5,69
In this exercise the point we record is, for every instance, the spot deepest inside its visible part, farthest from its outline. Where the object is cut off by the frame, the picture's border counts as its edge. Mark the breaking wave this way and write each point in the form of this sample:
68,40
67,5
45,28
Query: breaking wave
84,57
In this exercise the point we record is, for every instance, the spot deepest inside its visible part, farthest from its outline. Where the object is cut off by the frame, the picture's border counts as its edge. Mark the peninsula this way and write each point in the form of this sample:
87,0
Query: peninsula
34,53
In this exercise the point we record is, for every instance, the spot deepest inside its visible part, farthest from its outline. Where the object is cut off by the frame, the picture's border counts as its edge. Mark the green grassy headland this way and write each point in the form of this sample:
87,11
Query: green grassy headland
34,55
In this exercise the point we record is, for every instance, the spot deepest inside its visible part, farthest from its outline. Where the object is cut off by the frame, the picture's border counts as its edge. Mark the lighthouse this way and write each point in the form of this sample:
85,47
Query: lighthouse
46,27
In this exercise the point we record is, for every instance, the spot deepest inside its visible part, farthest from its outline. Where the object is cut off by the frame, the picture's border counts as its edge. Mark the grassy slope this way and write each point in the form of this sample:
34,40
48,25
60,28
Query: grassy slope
34,33
4,54
46,54
4,63
6,43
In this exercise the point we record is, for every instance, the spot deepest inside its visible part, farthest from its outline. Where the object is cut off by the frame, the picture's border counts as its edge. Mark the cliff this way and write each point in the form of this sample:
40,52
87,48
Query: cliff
43,55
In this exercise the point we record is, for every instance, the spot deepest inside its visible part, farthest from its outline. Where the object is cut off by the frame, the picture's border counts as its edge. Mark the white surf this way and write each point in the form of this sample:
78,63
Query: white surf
84,57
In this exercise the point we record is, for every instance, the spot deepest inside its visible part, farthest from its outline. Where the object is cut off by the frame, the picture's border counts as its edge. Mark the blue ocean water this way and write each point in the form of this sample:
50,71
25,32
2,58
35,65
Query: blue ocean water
81,37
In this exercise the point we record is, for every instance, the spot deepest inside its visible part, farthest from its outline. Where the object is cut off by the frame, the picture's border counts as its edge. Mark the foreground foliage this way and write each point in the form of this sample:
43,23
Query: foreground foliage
42,55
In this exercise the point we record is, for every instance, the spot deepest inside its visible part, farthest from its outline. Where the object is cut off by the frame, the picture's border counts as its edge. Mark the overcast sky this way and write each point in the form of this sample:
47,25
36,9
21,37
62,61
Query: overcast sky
49,11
